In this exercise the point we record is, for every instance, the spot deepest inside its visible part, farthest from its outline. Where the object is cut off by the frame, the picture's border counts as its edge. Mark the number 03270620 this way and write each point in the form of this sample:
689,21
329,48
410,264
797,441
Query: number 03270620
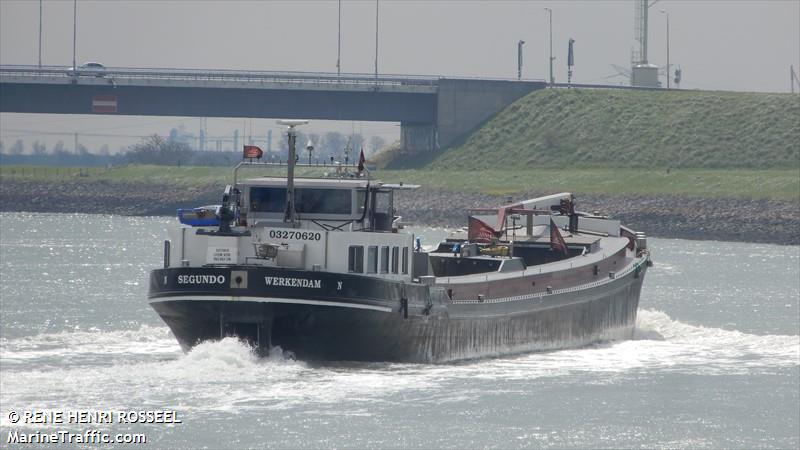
300,235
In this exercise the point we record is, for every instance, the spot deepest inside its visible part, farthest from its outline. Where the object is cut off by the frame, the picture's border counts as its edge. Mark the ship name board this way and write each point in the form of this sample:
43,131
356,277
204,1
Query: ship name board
293,282
201,279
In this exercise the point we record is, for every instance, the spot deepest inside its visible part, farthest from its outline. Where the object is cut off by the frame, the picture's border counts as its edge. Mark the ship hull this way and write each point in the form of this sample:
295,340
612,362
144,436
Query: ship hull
324,316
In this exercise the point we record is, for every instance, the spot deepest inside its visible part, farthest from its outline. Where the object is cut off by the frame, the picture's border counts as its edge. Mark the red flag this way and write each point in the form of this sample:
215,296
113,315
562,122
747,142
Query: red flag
479,231
361,160
556,240
252,151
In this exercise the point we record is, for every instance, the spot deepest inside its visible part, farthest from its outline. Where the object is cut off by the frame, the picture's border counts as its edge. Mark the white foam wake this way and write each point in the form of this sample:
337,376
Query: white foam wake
680,343
146,340
660,344
144,367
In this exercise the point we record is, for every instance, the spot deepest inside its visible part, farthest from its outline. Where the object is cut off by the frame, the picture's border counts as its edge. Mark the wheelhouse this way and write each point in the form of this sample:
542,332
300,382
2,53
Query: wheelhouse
326,203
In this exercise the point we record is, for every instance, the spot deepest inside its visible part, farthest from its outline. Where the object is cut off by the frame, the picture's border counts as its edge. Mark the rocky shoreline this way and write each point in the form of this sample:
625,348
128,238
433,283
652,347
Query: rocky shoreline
764,221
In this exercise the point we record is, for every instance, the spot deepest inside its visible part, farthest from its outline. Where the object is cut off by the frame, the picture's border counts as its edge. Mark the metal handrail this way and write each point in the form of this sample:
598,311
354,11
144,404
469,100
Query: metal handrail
223,75
243,75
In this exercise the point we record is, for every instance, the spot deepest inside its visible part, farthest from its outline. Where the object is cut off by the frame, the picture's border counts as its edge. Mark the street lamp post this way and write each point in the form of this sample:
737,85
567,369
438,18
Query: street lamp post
40,34
663,11
519,58
339,45
376,39
74,31
552,78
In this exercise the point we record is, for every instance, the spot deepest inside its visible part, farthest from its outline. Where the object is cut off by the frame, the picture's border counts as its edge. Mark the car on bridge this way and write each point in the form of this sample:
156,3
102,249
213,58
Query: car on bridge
88,68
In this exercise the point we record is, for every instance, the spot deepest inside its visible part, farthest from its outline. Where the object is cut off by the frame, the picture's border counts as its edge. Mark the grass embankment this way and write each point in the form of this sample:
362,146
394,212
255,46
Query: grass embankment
648,129
774,184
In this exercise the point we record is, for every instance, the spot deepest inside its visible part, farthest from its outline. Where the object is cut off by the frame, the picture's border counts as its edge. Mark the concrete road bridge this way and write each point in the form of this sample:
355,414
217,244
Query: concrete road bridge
433,111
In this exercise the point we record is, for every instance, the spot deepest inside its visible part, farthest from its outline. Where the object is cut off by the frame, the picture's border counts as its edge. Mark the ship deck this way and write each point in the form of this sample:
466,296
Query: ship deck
604,248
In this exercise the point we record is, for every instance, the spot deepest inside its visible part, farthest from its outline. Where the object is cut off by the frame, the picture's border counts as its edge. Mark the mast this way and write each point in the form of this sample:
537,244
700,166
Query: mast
290,213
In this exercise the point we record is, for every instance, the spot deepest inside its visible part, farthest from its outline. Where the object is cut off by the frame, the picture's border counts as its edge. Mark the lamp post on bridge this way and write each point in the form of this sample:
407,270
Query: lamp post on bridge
40,34
74,32
339,45
376,40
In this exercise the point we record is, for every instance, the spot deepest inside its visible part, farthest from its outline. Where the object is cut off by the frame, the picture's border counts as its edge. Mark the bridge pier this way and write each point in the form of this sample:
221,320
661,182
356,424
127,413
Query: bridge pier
417,137
465,104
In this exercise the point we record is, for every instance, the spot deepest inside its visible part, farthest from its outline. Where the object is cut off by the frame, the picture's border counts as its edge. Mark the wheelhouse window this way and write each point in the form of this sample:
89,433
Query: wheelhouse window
395,258
267,199
385,259
405,260
355,260
307,200
323,201
372,259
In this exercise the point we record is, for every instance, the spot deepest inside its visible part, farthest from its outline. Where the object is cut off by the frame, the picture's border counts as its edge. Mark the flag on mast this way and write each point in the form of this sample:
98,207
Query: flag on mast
361,160
252,151
556,240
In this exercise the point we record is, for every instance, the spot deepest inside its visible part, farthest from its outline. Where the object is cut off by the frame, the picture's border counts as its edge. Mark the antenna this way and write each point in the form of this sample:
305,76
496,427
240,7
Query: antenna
570,60
640,31
642,73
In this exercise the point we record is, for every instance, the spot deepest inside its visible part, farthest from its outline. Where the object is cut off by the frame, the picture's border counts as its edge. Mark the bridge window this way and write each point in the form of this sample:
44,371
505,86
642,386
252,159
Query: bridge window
405,260
372,259
395,258
355,260
385,259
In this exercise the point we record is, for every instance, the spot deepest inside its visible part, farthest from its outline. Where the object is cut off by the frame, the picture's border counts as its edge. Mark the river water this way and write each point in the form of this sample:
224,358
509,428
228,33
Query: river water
715,362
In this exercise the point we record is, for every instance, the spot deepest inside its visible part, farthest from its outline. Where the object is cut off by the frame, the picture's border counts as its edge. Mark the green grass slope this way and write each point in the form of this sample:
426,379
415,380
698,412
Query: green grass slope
625,128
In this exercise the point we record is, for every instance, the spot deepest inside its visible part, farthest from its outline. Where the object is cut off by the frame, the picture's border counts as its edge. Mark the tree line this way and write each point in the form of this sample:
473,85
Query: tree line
158,150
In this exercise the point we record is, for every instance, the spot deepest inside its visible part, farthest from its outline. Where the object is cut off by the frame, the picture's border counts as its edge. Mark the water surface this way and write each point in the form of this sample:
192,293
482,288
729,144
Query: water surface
715,362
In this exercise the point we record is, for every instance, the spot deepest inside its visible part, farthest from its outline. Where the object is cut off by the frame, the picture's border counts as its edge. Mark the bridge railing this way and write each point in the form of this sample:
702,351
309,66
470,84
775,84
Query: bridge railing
218,75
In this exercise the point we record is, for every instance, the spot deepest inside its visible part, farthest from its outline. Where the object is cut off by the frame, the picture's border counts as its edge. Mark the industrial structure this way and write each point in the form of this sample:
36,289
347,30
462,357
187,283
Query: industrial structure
643,74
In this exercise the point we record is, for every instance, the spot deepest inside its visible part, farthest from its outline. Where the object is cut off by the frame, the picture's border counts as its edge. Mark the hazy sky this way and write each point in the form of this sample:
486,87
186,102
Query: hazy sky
725,45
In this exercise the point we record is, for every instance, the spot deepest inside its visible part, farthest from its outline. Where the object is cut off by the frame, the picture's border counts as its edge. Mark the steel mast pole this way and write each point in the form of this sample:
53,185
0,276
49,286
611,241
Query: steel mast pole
339,45
290,211
290,214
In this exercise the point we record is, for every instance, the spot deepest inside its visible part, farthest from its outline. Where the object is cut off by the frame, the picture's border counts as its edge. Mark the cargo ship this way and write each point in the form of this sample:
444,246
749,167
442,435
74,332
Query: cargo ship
324,267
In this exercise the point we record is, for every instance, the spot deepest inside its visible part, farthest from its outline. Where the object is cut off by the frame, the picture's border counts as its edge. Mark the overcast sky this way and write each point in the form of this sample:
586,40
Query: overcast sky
721,45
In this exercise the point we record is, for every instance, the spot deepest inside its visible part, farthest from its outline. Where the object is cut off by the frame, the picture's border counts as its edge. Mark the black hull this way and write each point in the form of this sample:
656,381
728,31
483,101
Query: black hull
355,318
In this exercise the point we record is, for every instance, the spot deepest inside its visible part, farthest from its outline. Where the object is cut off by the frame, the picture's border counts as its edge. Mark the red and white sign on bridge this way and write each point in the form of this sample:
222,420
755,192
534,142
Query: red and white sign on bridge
104,104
